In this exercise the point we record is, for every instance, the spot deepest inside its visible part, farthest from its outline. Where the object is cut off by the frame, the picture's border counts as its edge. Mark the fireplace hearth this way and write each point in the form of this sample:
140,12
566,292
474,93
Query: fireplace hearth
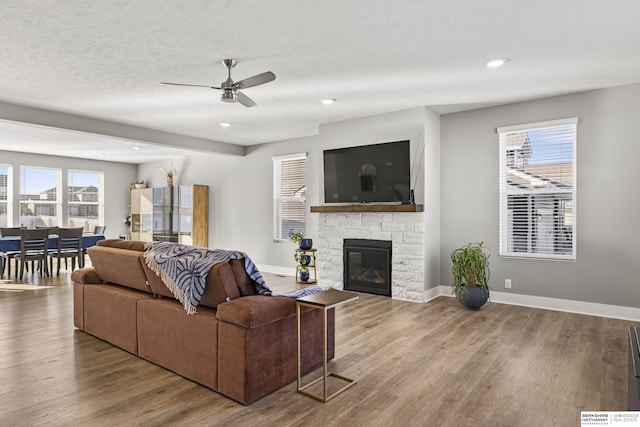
367,266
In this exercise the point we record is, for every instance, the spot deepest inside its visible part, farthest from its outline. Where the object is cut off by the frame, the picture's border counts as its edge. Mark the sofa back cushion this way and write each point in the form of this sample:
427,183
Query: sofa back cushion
221,284
225,281
132,245
244,282
118,266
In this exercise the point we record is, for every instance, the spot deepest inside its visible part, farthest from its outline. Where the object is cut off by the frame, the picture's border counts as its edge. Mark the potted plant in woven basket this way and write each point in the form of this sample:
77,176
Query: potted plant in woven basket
471,274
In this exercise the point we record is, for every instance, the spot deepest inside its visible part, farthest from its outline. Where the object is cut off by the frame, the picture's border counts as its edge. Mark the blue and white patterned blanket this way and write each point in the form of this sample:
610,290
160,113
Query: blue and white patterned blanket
299,293
184,269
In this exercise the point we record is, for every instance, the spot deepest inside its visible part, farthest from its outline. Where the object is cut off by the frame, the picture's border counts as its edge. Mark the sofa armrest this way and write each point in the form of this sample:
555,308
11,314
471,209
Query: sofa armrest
86,276
256,310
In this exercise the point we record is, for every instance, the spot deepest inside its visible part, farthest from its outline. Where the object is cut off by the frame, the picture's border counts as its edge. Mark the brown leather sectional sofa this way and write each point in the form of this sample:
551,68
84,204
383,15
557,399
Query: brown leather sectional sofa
239,344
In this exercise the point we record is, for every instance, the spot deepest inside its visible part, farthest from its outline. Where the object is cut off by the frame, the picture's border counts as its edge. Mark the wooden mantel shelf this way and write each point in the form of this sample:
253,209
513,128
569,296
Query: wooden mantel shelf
366,208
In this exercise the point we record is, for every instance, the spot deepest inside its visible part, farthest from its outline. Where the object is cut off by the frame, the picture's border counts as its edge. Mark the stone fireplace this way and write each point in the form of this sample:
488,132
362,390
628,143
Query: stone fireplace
405,231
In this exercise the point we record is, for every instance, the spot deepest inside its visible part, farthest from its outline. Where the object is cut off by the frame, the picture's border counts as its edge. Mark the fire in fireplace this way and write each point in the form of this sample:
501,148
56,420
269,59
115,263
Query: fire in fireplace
367,266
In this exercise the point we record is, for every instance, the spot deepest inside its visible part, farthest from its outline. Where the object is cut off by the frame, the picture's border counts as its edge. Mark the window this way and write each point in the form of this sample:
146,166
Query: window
5,196
538,190
289,195
39,197
85,201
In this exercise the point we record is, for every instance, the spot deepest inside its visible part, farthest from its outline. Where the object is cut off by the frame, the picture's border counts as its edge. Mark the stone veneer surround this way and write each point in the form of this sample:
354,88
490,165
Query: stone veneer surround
404,229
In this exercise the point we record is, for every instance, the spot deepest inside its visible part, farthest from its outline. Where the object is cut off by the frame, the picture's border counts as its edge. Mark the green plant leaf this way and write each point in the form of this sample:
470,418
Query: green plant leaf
470,266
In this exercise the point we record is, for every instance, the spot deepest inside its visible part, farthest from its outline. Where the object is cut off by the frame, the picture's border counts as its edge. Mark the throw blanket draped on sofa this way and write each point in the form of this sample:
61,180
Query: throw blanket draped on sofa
184,269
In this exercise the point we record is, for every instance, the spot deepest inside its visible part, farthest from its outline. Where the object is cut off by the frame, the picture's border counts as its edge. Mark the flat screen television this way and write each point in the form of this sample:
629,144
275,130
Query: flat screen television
368,174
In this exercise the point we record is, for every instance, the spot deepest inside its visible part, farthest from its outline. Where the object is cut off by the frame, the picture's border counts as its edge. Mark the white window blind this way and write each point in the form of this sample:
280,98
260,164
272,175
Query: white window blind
85,199
5,196
39,197
538,190
289,195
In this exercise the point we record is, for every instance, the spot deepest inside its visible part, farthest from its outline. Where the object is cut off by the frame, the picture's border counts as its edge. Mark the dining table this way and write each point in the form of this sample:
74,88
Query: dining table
12,243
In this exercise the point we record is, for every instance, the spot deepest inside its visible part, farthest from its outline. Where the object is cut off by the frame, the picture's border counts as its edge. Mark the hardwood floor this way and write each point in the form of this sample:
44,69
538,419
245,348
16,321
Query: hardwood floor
436,364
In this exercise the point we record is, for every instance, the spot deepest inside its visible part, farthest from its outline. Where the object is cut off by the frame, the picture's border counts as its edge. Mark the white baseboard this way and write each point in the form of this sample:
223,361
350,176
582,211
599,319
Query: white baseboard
569,306
275,269
433,293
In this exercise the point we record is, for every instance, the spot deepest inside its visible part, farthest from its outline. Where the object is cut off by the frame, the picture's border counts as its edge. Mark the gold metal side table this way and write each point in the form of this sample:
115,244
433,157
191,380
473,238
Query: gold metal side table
323,301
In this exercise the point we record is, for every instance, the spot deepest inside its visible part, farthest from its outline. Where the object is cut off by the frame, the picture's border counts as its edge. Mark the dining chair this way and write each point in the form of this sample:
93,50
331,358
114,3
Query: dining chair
10,231
52,230
7,256
33,247
98,229
69,246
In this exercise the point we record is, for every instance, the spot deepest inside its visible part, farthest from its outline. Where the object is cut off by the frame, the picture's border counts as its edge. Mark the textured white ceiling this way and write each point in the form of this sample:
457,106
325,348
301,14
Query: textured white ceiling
105,59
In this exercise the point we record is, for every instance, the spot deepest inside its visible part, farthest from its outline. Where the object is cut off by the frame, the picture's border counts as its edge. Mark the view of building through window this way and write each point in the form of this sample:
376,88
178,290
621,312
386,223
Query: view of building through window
537,189
84,199
39,202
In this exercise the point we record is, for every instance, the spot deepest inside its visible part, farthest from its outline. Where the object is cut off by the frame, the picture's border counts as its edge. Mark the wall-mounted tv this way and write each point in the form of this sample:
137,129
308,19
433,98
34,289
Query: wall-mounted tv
368,174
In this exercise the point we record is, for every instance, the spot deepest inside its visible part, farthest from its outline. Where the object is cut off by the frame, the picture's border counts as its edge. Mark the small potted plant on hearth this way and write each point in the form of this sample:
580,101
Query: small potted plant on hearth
471,274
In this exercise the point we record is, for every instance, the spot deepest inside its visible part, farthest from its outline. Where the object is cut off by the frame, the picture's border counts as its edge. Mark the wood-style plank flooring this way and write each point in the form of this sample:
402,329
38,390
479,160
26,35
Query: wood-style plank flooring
434,364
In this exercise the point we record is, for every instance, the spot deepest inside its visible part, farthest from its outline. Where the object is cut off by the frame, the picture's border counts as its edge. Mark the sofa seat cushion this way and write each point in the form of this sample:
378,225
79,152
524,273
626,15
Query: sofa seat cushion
256,310
186,345
109,313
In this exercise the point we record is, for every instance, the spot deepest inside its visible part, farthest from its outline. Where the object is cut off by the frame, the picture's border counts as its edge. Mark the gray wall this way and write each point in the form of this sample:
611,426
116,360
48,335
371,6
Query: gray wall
231,213
607,269
432,194
117,180
459,190
241,206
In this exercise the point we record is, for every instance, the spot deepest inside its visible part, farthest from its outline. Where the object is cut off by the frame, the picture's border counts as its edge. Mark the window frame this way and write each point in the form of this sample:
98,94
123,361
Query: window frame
554,195
9,195
278,232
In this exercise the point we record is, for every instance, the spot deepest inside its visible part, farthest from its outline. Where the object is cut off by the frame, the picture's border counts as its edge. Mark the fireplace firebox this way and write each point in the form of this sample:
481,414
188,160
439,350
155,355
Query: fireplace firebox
367,266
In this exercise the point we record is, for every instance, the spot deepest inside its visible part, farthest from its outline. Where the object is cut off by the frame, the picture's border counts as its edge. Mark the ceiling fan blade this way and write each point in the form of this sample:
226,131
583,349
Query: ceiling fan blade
256,80
184,84
245,100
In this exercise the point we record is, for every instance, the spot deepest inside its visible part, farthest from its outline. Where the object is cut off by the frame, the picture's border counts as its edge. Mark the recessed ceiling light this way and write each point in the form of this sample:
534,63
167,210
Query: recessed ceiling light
136,147
102,155
496,62
225,124
328,101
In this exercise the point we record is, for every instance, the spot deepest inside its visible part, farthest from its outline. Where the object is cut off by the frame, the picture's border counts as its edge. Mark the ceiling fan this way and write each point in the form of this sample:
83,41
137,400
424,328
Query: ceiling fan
231,90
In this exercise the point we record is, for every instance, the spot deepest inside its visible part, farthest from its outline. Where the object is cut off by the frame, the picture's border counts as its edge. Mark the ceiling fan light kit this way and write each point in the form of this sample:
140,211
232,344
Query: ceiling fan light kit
230,89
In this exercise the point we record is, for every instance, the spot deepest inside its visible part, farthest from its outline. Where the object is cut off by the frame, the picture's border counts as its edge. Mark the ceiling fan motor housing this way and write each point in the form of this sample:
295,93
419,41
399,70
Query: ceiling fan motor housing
229,95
